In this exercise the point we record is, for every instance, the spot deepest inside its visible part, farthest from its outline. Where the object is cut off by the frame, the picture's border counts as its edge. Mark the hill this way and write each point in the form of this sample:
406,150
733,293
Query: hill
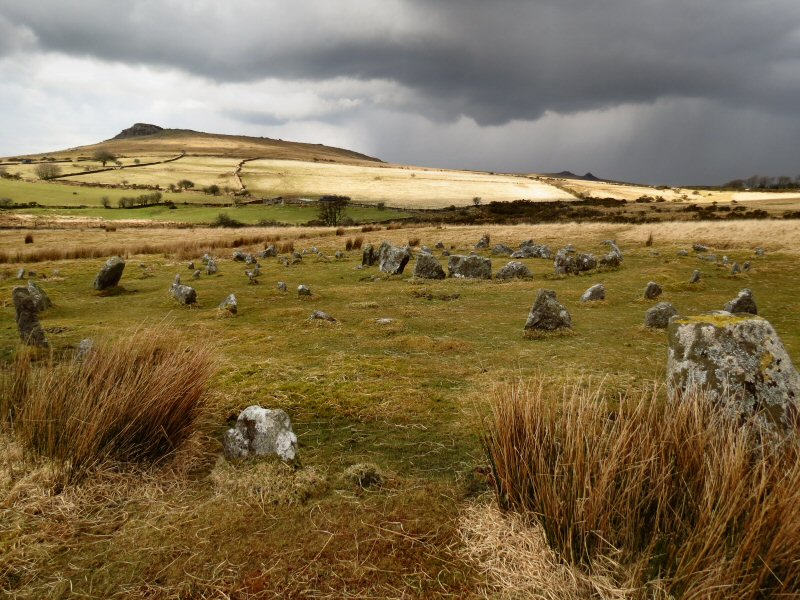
143,139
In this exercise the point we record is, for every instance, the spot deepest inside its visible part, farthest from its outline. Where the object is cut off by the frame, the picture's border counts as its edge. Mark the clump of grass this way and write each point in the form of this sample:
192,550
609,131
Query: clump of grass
348,244
134,400
370,228
649,241
413,242
672,492
286,247
28,238
340,231
358,242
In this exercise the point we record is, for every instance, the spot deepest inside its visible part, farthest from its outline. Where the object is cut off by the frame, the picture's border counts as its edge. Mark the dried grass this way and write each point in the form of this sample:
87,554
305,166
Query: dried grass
135,400
673,492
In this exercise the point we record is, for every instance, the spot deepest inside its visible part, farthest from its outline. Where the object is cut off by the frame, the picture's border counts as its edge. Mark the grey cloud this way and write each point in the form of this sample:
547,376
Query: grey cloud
493,62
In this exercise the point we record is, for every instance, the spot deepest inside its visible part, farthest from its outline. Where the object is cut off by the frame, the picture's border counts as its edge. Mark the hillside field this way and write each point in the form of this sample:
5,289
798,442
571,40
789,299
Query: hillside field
407,396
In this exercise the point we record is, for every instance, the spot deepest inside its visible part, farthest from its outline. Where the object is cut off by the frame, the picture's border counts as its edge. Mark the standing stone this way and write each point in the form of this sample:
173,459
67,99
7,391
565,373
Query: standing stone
238,256
183,293
427,267
211,266
196,274
483,243
695,277
282,286
530,249
739,361
393,260
547,313
303,290
230,304
683,253
699,248
21,273
469,267
261,432
368,256
41,300
249,259
614,256
269,251
191,265
760,252
440,245
743,303
109,274
736,269
339,255
514,270
595,293
502,250
177,280
30,331
206,258
567,262
85,346
746,266
659,315
652,291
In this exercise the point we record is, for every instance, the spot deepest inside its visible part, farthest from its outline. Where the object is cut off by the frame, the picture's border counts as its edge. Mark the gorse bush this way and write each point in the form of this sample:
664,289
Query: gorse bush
134,400
676,495
223,220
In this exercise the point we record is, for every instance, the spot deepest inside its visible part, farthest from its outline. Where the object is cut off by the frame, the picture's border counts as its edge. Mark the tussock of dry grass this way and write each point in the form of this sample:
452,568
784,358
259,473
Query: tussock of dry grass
671,492
135,400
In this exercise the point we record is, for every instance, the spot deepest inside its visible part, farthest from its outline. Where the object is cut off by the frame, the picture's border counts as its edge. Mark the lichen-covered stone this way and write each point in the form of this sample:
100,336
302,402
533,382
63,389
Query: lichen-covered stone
743,303
282,286
614,256
427,267
739,361
393,259
652,291
211,266
269,251
514,270
368,256
695,277
230,304
261,432
30,331
109,274
568,262
699,248
547,313
303,290
85,346
530,249
238,256
483,243
183,293
469,267
659,315
40,298
595,293
502,250
319,315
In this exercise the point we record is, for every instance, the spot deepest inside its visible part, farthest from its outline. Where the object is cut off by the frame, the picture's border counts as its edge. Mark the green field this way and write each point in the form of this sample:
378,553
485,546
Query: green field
403,396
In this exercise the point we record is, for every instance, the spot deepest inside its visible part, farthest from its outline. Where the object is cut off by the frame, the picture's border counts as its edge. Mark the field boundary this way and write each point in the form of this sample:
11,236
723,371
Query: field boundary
106,169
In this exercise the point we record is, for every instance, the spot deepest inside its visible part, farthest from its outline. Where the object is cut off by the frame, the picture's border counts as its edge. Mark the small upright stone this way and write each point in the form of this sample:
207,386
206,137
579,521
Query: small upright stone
760,252
514,270
683,253
21,273
282,286
736,269
469,267
269,251
190,266
547,313
483,243
211,266
261,432
183,293
695,277
502,250
230,304
196,274
368,256
303,290
427,267
109,274
746,266
595,293
85,346
652,291
30,331
743,303
238,256
699,248
659,315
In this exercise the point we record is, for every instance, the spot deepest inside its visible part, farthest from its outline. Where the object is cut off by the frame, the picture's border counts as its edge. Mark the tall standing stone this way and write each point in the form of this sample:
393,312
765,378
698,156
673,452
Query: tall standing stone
393,259
30,331
41,300
109,274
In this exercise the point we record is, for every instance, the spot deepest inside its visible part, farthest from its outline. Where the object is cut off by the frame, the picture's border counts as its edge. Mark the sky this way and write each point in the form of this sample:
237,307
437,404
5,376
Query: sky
672,92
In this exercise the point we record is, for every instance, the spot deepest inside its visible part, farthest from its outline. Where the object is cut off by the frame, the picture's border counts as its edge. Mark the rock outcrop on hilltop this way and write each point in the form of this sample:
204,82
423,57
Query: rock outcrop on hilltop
138,129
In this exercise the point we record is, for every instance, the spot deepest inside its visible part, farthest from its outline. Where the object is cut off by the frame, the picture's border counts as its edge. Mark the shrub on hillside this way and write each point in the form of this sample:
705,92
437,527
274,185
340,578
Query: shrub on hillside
134,400
224,220
674,494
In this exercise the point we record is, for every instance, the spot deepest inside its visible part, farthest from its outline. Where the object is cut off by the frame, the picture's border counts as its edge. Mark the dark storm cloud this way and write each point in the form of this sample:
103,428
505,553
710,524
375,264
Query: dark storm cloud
493,62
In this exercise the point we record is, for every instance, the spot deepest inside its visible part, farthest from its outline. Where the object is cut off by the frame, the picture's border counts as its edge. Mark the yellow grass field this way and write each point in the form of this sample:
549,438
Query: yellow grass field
410,187
202,170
